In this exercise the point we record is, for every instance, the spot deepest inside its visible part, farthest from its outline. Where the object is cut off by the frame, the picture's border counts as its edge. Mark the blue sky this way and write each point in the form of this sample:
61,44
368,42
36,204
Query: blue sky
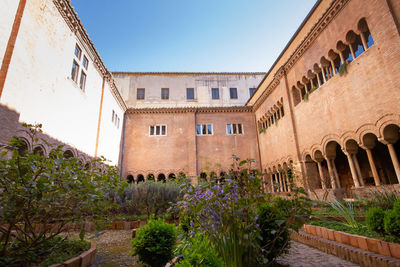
191,35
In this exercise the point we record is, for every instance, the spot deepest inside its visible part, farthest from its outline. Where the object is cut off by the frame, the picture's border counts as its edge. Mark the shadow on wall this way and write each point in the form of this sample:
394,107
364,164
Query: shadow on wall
11,126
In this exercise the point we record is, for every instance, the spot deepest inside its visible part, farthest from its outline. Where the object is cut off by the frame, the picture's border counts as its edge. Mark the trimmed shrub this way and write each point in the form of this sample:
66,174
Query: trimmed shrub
200,252
396,206
274,231
375,219
392,223
154,243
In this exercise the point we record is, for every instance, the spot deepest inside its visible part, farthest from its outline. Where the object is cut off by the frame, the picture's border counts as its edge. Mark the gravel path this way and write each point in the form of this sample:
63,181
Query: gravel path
114,247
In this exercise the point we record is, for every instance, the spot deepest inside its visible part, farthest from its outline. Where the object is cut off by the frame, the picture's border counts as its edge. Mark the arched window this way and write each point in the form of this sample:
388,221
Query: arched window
203,176
130,179
161,177
363,28
355,42
171,176
38,150
336,60
150,177
68,154
296,96
140,178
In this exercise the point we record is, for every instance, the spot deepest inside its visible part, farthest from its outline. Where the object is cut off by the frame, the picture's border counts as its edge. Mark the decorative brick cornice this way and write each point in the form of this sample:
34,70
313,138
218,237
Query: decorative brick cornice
315,31
71,18
189,110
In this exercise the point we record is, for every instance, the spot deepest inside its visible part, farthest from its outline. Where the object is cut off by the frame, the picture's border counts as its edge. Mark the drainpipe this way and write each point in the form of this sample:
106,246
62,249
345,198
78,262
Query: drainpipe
122,147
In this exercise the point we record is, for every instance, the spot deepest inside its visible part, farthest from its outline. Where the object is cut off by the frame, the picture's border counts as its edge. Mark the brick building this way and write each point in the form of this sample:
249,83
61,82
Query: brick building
327,110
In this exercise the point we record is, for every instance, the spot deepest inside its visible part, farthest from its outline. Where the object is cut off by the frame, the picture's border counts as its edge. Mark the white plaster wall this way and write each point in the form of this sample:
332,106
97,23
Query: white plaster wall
8,10
39,87
177,84
110,133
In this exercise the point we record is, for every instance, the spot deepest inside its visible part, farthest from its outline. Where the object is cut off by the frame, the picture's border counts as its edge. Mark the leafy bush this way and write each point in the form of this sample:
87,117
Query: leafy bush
199,252
392,223
375,219
37,191
396,206
274,232
154,243
150,197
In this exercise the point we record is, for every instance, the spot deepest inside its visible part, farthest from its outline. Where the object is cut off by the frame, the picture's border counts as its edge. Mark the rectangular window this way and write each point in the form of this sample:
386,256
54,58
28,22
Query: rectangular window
140,93
164,93
112,118
189,93
234,128
158,130
85,62
215,93
204,129
252,91
82,82
74,71
233,93
78,52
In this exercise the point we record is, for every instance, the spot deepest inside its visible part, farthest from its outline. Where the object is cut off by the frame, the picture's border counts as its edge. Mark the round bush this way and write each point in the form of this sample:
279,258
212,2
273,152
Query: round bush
274,233
154,243
392,223
375,219
396,206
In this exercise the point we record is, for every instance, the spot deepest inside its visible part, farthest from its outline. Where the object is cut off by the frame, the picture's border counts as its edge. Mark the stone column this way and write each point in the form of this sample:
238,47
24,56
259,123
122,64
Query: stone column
289,189
395,160
373,167
352,51
336,174
333,68
359,174
323,74
331,173
272,182
364,42
280,181
321,175
353,170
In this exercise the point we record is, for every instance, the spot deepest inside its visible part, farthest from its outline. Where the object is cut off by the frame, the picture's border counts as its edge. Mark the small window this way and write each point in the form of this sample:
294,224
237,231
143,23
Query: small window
215,93
233,129
204,129
190,93
165,93
82,82
74,71
140,94
78,52
233,93
158,130
85,62
112,117
252,91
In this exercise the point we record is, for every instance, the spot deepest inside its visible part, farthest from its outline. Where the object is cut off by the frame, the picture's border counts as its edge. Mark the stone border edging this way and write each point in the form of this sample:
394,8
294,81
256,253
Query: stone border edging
365,243
86,259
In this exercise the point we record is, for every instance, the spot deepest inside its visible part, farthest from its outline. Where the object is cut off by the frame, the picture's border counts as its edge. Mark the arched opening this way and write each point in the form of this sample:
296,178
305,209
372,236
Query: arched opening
363,28
161,178
302,89
355,42
391,134
38,151
140,178
314,180
171,176
381,159
336,60
22,147
203,177
130,179
327,67
150,177
318,72
345,51
68,154
296,96
340,165
213,175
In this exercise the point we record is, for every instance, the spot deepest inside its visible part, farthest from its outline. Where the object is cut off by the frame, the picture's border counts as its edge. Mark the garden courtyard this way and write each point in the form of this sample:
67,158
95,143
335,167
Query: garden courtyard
56,212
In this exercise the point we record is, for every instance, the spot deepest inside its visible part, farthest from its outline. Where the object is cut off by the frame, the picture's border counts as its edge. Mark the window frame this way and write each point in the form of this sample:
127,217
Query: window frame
162,95
236,92
187,95
237,128
76,73
254,90
217,92
137,93
206,126
82,86
155,130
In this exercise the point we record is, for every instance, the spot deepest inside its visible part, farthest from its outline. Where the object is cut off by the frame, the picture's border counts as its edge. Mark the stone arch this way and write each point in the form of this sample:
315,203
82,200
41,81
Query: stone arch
161,177
362,26
385,121
150,177
140,178
203,176
68,154
171,176
39,150
130,179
